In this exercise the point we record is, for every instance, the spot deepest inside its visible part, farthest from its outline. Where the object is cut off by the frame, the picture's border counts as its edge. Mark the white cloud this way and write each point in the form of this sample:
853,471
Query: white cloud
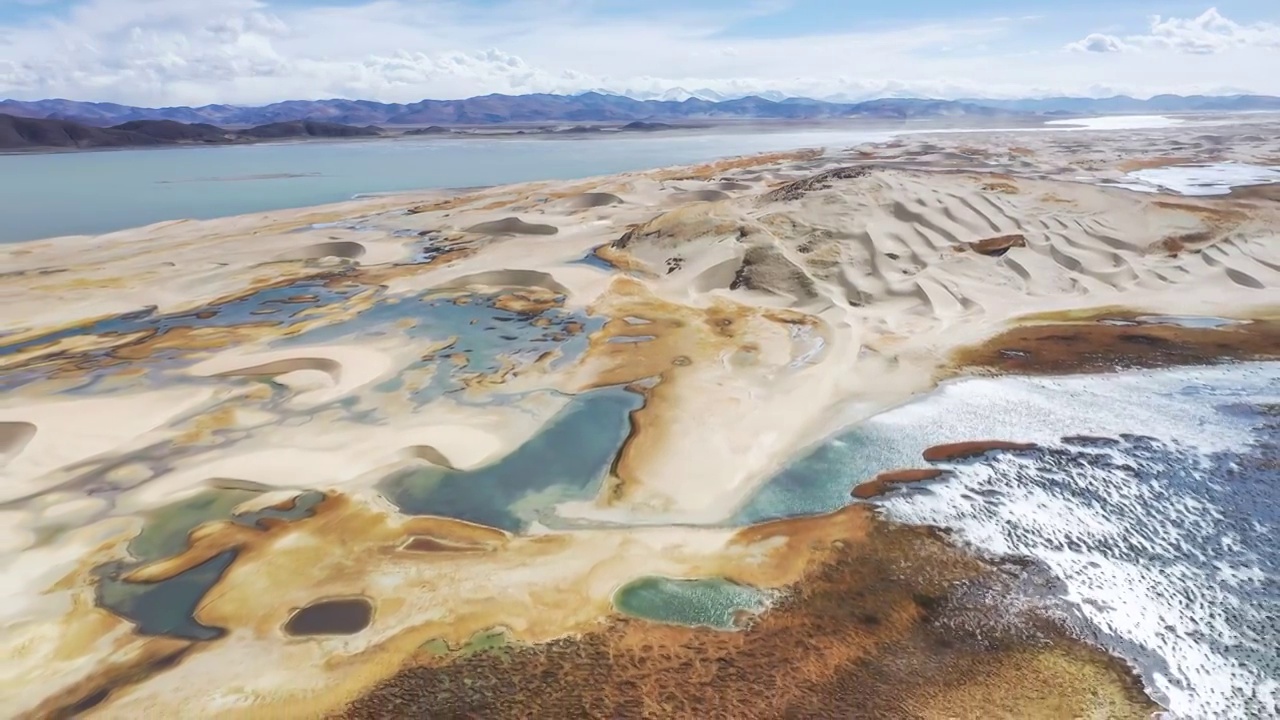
1099,43
1206,34
159,52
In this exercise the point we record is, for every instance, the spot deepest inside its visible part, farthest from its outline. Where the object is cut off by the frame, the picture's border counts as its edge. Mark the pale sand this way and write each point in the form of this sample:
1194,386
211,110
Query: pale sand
758,304
321,375
71,431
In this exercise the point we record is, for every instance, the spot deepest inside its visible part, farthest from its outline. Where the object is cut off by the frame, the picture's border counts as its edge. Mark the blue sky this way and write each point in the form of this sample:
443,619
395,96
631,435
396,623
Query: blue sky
252,51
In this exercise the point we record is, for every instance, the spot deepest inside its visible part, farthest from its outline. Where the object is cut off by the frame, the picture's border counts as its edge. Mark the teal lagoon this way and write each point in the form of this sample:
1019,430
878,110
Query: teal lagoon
710,602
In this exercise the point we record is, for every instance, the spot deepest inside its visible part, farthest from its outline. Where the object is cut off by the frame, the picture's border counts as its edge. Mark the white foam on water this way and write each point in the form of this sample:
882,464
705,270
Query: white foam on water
1156,403
1140,531
1210,179
1161,610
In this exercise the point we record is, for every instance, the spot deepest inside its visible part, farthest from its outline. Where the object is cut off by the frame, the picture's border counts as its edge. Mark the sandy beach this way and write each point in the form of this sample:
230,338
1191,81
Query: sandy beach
235,397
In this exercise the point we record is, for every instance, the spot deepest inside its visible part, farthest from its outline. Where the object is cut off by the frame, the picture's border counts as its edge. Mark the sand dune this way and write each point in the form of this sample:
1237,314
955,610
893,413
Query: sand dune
70,431
429,454
916,260
266,498
507,278
14,436
353,455
316,374
512,226
699,196
341,249
592,200
330,367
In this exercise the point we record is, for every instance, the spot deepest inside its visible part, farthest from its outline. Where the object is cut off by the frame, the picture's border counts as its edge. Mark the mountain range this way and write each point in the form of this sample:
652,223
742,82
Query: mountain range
25,133
52,134
495,109
602,107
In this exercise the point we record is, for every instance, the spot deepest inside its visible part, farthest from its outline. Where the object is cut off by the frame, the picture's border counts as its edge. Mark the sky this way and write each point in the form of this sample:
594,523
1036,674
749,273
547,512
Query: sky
193,52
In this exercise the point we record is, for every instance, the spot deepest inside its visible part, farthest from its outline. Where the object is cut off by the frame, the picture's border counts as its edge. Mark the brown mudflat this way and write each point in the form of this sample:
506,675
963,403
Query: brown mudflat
1269,192
972,449
893,624
1087,346
885,481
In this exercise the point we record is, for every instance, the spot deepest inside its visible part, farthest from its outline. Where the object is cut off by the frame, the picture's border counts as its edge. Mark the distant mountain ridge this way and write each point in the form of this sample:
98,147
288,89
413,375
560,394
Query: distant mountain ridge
25,133
497,109
674,105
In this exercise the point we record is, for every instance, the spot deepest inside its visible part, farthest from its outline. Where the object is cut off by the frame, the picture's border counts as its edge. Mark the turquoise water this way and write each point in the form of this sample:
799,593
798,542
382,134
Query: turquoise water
166,607
95,192
566,461
712,602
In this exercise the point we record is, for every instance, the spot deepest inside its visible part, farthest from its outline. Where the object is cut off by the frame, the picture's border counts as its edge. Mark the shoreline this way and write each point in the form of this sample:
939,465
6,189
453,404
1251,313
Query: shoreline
312,182
599,130
569,130
566,130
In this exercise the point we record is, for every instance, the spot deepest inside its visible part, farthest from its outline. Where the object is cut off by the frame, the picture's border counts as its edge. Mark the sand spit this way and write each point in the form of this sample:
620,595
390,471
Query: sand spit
973,449
215,412
886,481
945,453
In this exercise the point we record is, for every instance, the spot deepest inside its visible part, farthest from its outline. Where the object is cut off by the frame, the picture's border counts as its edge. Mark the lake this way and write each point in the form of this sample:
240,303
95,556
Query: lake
49,195
89,193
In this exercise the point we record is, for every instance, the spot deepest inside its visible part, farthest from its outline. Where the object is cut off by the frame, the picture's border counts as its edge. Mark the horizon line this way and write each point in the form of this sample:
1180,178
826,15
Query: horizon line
1026,98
